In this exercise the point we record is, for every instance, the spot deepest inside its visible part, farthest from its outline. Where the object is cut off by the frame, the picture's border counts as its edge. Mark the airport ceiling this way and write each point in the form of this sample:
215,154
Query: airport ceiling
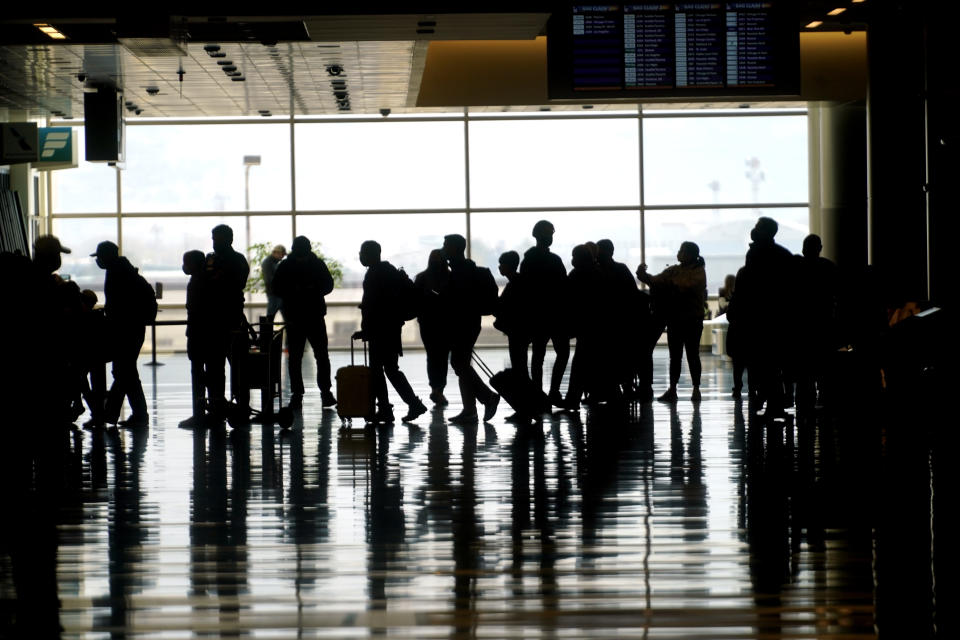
188,63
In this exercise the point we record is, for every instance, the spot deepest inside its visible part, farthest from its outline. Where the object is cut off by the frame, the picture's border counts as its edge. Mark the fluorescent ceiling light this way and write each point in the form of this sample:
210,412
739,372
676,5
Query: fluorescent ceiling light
50,31
814,24
836,11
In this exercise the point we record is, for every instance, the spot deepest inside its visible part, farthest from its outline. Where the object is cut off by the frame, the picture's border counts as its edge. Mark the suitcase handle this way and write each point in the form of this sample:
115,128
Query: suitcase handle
364,350
481,364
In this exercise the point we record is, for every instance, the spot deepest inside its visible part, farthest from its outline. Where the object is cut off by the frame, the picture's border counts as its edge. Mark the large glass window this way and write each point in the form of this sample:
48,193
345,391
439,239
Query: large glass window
90,188
723,236
559,163
405,241
380,165
704,179
495,233
725,160
185,168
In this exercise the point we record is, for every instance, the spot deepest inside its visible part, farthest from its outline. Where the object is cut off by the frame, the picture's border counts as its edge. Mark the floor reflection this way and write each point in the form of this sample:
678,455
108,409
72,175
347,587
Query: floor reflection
693,520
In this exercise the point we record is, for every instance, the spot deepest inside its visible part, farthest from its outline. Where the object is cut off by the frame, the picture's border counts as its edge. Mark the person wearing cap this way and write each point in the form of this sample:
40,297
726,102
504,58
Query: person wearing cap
126,325
301,282
268,269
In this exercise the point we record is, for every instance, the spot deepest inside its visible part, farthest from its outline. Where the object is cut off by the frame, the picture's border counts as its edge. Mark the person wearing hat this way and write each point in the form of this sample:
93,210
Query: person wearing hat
301,282
125,315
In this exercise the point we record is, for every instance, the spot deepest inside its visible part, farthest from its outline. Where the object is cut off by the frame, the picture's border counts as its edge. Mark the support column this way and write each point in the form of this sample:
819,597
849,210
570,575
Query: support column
838,184
897,205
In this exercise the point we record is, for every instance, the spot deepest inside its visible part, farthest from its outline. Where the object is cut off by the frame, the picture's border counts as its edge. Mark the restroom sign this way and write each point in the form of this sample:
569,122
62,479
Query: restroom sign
57,148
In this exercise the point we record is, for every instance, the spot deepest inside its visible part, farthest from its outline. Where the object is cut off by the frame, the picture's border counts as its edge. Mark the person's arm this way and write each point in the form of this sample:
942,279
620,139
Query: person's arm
325,280
643,276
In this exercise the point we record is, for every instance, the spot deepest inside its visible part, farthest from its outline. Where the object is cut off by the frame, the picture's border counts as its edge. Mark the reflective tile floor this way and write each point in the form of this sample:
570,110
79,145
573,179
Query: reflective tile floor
692,521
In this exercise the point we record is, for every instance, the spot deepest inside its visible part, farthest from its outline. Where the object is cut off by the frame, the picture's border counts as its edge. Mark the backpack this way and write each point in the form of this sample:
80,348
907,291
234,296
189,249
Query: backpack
146,301
485,292
409,297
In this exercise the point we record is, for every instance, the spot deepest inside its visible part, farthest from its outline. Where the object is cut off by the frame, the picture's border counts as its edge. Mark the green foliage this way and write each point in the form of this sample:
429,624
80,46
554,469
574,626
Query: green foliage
258,252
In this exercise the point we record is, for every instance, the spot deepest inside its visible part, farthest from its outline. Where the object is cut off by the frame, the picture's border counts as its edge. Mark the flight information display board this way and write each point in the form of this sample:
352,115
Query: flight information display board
678,49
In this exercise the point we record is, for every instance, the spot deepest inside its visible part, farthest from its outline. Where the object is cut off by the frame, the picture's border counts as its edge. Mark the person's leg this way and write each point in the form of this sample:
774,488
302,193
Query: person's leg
517,346
215,361
296,341
675,348
138,402
576,385
561,347
319,344
692,347
539,352
391,369
377,379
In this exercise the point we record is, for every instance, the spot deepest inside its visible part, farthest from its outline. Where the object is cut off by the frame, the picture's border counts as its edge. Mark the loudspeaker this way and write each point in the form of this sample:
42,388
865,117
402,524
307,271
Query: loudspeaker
103,125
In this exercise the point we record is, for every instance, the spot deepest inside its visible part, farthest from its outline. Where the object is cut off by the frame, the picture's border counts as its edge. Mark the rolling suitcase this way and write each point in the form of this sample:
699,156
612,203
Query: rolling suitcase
355,389
516,388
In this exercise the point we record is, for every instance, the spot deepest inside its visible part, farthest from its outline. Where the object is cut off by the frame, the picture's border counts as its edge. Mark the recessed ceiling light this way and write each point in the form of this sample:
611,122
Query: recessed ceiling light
814,24
836,11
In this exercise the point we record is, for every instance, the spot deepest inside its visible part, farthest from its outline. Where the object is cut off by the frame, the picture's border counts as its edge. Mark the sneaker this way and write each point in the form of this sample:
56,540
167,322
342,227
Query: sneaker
93,423
670,396
490,408
556,399
696,394
327,399
414,411
384,416
464,417
437,398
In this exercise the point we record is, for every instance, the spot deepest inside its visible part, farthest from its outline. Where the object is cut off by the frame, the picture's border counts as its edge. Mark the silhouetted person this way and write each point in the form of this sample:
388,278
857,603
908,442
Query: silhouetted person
511,312
464,311
684,286
627,325
765,289
546,278
225,277
817,286
93,355
194,263
432,283
127,317
268,268
380,326
587,300
735,337
301,282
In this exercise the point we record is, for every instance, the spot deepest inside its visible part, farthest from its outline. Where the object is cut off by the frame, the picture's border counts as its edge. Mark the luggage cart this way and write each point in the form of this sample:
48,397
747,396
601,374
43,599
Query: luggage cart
258,364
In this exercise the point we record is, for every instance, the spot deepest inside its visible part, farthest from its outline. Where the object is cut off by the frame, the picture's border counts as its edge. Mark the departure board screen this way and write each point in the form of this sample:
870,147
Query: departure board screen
677,49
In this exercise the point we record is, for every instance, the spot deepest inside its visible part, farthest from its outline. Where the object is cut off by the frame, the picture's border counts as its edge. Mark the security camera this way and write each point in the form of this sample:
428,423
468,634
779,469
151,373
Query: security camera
82,77
334,69
384,112
339,95
138,111
153,90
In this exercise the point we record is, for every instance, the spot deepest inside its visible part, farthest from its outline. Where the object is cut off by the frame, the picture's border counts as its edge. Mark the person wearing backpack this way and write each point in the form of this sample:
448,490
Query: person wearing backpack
380,324
301,282
128,307
469,298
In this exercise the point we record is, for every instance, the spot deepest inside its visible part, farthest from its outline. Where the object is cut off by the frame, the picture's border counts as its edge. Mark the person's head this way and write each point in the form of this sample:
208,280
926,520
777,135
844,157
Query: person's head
766,229
222,236
581,256
509,263
435,260
278,252
454,246
812,246
88,299
106,254
593,248
193,262
688,253
729,282
301,246
604,250
46,253
369,253
543,232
